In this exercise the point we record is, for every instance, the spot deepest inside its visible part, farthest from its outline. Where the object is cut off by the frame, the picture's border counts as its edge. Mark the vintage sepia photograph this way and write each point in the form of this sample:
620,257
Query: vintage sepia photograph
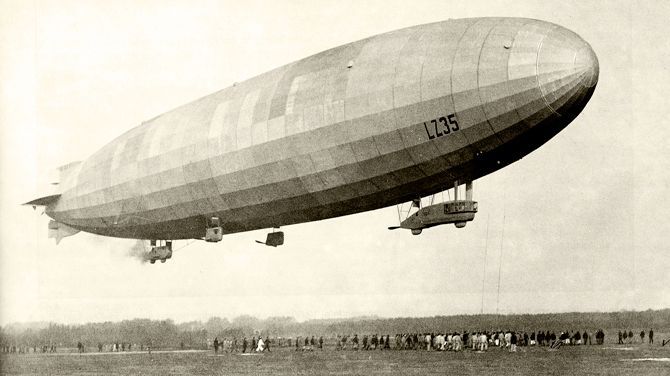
328,187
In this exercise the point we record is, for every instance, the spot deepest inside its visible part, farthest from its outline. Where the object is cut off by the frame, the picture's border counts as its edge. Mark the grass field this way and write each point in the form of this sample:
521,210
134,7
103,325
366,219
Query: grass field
577,360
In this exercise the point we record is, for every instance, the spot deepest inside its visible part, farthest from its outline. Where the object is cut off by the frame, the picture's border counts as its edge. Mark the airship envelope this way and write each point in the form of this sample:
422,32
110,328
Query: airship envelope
369,124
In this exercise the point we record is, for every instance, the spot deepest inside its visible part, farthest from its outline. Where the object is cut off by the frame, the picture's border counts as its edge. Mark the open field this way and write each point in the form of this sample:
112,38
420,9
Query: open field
583,360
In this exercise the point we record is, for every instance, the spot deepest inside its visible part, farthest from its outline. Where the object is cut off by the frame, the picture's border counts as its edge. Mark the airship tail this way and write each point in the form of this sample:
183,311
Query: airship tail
57,230
44,201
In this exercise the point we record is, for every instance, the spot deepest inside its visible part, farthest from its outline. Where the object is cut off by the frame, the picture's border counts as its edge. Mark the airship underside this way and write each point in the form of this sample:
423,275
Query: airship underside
363,126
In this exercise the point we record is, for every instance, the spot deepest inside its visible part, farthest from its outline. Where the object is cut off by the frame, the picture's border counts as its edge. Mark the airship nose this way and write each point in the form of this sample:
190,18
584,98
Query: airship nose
587,62
567,69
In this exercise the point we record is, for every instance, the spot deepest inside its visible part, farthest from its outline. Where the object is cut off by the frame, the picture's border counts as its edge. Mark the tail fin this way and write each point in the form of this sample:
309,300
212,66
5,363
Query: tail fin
59,231
43,201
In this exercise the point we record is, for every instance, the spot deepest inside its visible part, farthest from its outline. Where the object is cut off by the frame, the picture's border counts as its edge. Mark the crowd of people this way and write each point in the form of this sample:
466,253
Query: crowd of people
259,344
457,341
628,337
449,341
13,349
232,345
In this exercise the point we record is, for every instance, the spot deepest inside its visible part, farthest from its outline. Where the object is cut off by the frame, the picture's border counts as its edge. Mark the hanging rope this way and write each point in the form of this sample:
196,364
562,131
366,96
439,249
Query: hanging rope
486,248
502,239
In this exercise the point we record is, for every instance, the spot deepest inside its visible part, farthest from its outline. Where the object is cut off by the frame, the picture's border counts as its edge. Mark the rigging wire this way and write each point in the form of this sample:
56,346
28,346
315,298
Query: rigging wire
502,238
184,246
486,248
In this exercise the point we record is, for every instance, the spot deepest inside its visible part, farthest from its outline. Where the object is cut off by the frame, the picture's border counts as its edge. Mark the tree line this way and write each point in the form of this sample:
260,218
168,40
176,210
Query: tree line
195,334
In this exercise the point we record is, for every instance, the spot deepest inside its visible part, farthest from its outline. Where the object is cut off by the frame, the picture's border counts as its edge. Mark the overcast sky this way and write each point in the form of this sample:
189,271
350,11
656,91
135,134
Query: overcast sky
586,220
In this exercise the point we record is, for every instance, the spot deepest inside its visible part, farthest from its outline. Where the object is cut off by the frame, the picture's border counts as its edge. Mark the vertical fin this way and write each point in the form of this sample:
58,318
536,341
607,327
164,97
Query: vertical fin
59,231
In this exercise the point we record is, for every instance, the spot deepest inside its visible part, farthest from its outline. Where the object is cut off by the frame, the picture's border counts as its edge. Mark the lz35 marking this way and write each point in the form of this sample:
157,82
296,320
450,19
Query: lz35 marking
442,126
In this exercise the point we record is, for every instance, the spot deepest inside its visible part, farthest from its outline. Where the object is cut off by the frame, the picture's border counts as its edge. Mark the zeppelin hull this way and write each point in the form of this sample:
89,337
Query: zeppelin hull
359,127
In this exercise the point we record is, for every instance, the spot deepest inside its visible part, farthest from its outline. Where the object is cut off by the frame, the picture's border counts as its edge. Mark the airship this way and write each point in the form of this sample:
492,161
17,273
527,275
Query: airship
374,123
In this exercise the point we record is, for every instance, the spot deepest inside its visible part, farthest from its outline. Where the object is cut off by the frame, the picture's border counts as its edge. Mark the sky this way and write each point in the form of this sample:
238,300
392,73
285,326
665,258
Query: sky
581,224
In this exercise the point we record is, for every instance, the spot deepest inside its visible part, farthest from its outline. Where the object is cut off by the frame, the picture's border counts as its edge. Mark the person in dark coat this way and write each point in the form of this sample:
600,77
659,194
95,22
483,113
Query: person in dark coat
513,342
586,338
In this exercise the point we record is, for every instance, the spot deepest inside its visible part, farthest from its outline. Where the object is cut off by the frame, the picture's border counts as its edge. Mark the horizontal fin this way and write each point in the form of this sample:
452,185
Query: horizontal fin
44,201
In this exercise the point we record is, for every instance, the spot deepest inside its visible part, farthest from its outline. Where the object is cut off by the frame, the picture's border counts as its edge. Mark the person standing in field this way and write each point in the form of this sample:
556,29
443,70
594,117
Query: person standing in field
244,345
586,338
458,344
642,336
630,336
651,336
